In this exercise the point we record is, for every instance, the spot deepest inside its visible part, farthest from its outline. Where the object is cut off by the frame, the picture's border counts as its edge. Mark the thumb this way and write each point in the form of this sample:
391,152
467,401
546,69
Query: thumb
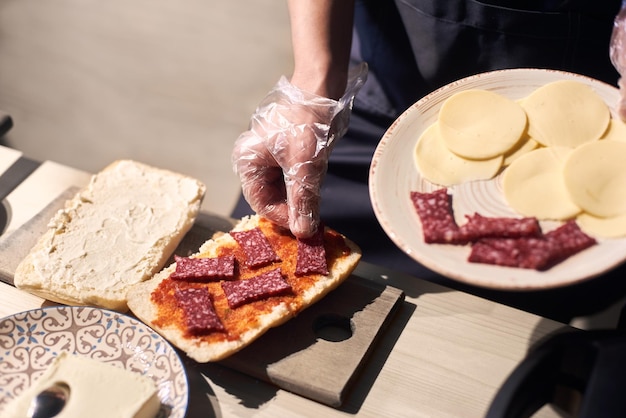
303,199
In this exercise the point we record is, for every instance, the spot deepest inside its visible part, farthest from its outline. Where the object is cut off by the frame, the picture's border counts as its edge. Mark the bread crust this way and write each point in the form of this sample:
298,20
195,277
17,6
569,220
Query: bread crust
141,304
112,223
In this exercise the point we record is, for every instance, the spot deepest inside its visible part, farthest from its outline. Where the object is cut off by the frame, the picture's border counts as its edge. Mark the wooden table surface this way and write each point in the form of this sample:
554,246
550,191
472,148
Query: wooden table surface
444,354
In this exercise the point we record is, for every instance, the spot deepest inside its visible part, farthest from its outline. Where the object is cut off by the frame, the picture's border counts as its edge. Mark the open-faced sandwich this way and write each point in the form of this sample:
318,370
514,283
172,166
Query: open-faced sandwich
239,285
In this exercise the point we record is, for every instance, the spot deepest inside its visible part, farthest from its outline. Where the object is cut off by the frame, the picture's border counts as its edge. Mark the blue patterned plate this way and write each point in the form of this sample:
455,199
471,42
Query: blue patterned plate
30,340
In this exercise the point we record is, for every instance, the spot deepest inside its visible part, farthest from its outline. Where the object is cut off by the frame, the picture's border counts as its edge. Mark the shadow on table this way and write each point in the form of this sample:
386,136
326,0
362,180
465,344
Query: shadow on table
203,402
592,298
201,397
599,300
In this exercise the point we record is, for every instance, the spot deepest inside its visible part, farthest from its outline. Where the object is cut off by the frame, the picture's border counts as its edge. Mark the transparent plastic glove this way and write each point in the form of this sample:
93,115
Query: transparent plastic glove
617,50
282,159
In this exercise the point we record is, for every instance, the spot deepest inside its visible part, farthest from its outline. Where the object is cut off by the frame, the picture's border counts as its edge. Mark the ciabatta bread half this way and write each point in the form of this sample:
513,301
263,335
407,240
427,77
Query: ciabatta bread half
145,299
116,232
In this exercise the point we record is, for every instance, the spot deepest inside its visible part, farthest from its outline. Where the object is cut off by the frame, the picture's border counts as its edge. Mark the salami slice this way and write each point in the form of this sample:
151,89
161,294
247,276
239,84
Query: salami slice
257,248
197,306
478,226
530,253
567,240
311,257
204,269
267,284
435,212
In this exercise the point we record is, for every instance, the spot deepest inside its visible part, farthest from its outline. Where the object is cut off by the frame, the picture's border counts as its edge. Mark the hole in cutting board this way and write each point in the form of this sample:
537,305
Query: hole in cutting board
333,328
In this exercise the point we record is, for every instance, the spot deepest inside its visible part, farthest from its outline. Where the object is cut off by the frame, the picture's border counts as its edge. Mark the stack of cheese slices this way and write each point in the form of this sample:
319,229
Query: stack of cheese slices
559,150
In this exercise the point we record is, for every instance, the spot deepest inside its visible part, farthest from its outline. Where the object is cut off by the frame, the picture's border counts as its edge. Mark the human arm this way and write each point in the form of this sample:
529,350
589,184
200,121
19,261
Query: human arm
281,160
321,37
618,56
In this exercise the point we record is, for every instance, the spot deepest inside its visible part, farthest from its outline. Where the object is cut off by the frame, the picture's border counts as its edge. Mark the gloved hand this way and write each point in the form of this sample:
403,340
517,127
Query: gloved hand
282,159
617,51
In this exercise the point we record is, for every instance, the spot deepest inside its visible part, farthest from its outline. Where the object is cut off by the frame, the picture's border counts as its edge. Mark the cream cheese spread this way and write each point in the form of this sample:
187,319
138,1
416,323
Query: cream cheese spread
114,232
96,390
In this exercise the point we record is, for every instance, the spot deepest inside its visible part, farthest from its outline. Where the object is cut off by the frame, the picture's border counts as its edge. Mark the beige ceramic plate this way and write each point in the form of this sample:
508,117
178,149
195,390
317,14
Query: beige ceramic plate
393,175
31,339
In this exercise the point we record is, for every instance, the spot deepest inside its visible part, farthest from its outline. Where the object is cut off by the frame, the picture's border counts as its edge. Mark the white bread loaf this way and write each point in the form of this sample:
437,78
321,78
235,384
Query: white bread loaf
118,231
199,349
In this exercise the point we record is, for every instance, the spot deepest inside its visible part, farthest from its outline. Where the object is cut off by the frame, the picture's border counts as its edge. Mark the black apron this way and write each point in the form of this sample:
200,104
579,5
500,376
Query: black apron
413,47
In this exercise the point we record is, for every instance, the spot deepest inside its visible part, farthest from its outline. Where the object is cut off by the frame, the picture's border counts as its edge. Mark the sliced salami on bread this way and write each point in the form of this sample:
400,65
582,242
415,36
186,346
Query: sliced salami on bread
118,231
275,277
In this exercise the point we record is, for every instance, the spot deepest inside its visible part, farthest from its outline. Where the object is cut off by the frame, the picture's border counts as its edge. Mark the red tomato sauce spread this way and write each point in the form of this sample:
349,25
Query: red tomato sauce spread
237,321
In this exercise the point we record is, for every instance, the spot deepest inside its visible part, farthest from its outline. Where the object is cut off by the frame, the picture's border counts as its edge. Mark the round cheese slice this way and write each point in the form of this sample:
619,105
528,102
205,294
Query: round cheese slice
533,185
613,227
616,131
439,165
524,146
566,113
480,124
595,177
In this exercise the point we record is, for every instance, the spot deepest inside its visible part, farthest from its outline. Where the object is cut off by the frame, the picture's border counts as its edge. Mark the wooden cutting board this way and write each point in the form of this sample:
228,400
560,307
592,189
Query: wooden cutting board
317,355
15,246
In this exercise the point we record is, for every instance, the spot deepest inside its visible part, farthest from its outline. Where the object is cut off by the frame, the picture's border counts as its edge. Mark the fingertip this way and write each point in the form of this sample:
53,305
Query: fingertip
303,227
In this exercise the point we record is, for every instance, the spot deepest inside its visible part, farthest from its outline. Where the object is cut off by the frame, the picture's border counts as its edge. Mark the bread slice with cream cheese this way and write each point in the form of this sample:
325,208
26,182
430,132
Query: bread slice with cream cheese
116,232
